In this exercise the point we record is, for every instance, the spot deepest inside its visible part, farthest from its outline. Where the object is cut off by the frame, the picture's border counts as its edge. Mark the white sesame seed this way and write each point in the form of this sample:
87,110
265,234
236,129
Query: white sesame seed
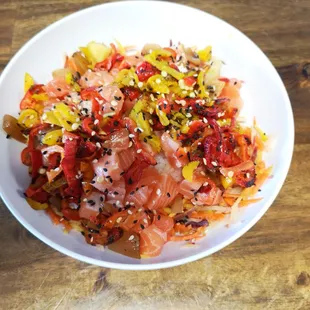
98,145
131,237
96,122
145,221
70,139
199,143
140,84
61,219
118,202
85,199
44,116
129,212
214,163
184,92
192,95
158,191
42,170
205,120
188,115
119,220
151,122
109,114
100,179
139,151
92,239
114,103
139,210
158,81
132,204
164,73
230,174
247,175
131,135
204,161
152,97
130,144
71,113
205,184
75,126
131,83
93,133
95,161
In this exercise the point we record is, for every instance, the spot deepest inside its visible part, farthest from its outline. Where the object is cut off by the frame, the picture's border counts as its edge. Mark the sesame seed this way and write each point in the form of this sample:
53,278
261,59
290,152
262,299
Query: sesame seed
248,175
205,184
114,103
132,203
44,116
139,151
188,115
119,220
140,84
214,163
95,161
42,170
164,73
192,95
129,212
130,144
140,210
152,97
75,126
205,120
98,145
131,135
230,174
151,122
96,122
91,239
131,83
204,161
100,179
145,221
158,81
158,191
131,237
85,199
93,133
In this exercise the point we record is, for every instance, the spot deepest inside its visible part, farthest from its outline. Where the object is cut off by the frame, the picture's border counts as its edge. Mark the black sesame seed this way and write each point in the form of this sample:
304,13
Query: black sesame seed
59,89
115,193
92,182
8,136
100,210
131,193
101,199
82,232
105,169
45,152
135,221
142,226
130,181
158,217
168,194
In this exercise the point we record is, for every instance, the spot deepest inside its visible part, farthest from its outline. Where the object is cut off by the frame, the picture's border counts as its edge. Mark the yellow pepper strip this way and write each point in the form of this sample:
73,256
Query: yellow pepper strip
95,52
162,117
40,97
136,109
127,77
63,123
52,137
200,82
224,122
158,84
188,170
162,65
226,181
184,128
36,205
205,54
28,82
153,141
51,118
261,134
70,81
66,112
143,123
120,48
28,118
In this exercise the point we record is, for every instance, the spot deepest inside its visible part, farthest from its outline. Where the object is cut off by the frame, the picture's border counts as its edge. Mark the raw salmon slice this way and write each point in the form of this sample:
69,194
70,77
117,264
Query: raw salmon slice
152,240
138,196
126,158
187,189
164,193
90,205
118,141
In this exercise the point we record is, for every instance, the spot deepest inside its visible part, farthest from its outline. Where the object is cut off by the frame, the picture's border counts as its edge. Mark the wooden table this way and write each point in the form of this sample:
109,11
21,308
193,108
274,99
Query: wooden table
268,268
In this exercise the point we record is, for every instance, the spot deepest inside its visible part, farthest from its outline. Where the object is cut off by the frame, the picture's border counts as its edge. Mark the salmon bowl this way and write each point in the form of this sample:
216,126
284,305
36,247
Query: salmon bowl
245,74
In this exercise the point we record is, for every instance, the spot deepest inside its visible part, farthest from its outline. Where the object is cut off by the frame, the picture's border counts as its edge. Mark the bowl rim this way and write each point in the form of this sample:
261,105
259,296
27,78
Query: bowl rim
176,262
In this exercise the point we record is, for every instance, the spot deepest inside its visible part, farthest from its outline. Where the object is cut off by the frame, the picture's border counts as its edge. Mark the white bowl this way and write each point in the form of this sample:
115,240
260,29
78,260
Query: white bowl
138,22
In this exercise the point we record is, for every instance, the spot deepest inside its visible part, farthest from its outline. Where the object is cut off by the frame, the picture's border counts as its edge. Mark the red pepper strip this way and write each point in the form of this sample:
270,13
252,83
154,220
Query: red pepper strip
109,63
92,94
145,70
88,125
53,161
36,162
26,157
69,166
189,80
144,155
86,149
131,92
194,130
35,191
28,102
70,214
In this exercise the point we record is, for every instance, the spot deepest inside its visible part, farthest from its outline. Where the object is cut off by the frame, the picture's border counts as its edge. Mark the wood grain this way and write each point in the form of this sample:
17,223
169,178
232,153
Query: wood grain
268,268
